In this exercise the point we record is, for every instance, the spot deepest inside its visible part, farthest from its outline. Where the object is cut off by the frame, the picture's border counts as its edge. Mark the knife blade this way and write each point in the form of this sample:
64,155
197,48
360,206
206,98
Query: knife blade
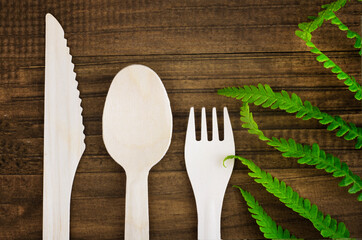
63,132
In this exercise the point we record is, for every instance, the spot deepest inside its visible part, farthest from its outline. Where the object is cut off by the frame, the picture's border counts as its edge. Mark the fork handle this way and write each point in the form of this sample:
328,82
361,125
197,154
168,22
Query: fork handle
137,220
209,217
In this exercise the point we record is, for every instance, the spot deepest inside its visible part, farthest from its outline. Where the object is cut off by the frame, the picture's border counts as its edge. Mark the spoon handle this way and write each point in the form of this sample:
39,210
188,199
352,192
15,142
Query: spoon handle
137,220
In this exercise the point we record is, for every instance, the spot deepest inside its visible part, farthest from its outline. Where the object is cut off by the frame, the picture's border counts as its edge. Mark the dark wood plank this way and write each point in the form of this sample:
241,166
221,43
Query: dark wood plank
138,28
32,149
199,71
196,47
98,210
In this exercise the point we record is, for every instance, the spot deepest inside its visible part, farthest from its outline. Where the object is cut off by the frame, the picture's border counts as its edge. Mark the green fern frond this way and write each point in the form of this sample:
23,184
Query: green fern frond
305,33
266,224
263,95
349,81
249,123
311,155
323,15
327,226
350,34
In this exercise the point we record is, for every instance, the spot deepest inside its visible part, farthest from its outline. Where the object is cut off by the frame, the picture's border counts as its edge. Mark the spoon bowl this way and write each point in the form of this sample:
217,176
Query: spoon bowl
137,131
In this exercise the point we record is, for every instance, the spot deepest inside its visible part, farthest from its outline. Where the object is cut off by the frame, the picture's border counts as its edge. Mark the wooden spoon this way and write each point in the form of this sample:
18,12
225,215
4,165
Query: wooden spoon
137,130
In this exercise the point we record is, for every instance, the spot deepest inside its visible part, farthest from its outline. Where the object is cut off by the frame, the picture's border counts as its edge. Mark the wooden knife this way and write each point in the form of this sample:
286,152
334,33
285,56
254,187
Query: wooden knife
63,132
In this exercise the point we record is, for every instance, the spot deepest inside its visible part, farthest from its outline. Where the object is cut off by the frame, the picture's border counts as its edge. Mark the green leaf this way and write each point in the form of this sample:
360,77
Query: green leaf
315,150
267,225
358,43
348,81
315,50
326,119
354,189
306,36
247,118
336,69
352,84
326,225
351,34
322,58
304,26
353,87
343,130
342,76
310,44
329,64
311,155
301,34
333,125
358,95
346,181
264,95
336,21
315,24
329,15
343,27
341,229
359,143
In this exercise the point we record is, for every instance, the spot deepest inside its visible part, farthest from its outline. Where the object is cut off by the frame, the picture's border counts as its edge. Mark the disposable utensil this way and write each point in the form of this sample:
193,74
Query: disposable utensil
208,176
137,130
63,132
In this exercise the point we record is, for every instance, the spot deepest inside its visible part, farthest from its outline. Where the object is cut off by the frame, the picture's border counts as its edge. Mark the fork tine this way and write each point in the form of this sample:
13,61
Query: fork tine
228,131
203,125
215,130
191,132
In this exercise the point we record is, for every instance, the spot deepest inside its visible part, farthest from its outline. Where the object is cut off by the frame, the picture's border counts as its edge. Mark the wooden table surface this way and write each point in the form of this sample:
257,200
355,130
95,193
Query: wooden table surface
196,47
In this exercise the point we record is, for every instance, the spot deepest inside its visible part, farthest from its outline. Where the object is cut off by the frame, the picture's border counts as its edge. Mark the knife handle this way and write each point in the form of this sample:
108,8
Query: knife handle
137,219
56,207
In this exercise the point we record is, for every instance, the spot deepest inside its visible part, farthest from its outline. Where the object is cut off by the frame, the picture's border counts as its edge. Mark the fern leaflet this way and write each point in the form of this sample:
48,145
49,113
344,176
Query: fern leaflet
350,34
327,226
266,224
348,80
323,15
306,34
311,155
263,95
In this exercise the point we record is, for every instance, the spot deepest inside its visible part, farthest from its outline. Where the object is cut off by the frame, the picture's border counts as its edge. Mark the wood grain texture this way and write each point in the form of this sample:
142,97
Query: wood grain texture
196,47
